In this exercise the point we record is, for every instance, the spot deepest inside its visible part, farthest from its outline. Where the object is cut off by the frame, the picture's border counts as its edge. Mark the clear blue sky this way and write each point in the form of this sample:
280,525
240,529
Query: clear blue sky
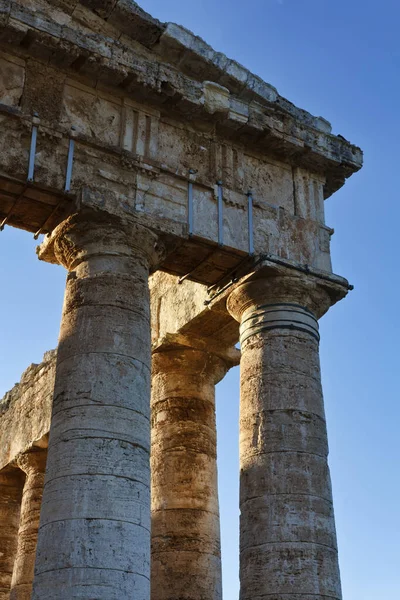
339,59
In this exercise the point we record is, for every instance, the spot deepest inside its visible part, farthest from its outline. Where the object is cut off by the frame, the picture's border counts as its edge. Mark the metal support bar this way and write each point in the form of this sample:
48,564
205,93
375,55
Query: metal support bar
70,164
221,291
220,214
209,255
250,223
232,274
53,212
32,153
190,202
10,212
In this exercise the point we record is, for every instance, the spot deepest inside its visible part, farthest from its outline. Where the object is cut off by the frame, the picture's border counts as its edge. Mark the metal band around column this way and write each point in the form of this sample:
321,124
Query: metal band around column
279,316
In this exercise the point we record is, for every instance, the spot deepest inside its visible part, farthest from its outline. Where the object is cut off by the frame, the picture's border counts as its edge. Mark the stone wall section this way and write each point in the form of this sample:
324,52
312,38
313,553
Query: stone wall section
25,411
11,487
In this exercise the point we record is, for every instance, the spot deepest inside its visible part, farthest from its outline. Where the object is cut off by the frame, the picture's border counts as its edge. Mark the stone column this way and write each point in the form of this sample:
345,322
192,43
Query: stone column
186,552
288,545
94,535
11,484
33,464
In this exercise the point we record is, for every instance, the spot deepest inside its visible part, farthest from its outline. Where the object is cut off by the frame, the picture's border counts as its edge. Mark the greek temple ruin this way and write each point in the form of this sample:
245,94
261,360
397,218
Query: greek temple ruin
185,198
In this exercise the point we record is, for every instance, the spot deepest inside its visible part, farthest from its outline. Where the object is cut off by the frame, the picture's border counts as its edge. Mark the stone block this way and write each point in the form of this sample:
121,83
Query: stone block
216,98
92,114
12,80
127,16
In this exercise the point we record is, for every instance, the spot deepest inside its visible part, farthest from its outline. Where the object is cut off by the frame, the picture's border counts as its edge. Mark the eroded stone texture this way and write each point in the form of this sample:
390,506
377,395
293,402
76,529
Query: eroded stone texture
33,464
11,485
12,76
25,411
94,535
287,531
171,138
186,551
151,106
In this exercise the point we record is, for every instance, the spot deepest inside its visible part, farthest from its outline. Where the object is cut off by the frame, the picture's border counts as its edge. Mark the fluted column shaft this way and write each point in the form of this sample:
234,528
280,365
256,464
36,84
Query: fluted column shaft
288,547
94,535
33,464
11,485
186,553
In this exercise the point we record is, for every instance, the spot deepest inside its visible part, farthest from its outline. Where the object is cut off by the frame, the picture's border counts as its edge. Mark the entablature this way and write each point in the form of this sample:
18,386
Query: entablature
103,107
117,44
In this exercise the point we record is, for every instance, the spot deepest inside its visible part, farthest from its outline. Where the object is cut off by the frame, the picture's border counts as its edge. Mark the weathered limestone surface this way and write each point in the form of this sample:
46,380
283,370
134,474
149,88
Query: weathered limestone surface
33,464
170,143
147,103
188,309
94,536
288,543
11,485
176,310
188,314
25,411
186,550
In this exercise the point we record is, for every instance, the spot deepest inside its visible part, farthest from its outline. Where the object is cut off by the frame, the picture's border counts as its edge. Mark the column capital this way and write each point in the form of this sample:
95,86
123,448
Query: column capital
191,361
298,289
175,341
92,233
32,461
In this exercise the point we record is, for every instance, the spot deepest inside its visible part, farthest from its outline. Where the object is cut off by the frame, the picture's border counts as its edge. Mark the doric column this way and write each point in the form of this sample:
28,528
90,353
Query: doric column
288,545
186,552
94,535
11,484
33,464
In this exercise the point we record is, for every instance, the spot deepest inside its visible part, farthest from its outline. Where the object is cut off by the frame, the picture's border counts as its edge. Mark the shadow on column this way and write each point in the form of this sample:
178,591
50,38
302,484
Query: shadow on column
11,486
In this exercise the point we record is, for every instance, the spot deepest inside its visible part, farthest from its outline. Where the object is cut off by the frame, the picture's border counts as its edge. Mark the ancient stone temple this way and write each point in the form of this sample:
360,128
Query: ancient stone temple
185,198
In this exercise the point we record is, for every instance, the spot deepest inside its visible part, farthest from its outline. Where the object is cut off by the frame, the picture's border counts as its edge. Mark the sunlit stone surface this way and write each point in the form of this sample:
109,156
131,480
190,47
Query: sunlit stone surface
185,198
